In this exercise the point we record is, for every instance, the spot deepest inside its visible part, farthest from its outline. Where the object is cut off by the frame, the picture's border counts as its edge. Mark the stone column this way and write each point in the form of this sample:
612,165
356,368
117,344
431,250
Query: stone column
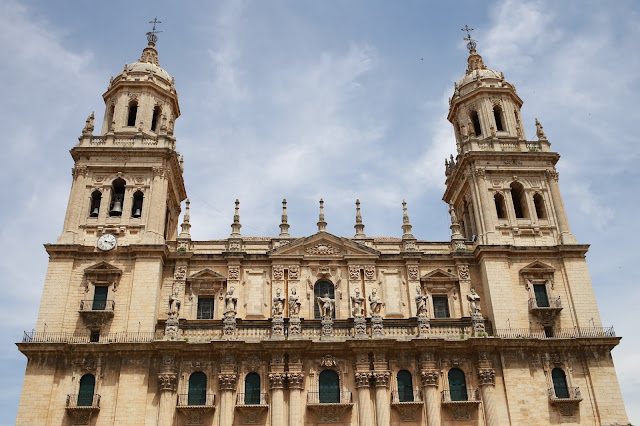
382,397
561,215
276,382
227,384
296,381
486,381
365,417
486,210
430,377
167,388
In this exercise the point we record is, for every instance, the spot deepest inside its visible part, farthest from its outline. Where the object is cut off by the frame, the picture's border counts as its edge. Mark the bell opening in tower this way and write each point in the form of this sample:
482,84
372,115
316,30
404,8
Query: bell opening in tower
117,197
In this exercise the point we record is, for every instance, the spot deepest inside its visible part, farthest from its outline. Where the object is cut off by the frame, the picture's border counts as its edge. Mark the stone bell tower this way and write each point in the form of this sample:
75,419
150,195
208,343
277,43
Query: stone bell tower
504,188
128,182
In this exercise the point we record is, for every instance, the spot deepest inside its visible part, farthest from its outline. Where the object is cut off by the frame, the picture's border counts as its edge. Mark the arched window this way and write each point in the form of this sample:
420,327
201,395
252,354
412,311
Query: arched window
497,114
86,389
476,123
252,389
155,119
457,385
136,209
133,113
559,383
517,195
197,389
96,198
321,289
117,197
405,386
329,387
539,203
500,210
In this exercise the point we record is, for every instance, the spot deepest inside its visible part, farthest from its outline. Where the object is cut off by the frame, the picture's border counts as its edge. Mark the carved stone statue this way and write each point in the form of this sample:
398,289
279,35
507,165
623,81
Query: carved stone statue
421,302
174,301
356,304
278,304
326,306
230,302
540,131
452,213
294,303
474,302
375,303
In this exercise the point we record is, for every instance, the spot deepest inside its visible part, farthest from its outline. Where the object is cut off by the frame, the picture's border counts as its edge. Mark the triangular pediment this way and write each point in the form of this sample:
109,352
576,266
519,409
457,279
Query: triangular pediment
206,275
439,275
102,268
537,267
323,244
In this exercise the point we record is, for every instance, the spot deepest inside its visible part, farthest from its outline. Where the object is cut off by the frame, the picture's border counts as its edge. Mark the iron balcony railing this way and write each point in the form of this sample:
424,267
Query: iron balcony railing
252,398
552,304
62,337
196,400
565,394
408,395
79,401
329,397
555,333
460,395
97,305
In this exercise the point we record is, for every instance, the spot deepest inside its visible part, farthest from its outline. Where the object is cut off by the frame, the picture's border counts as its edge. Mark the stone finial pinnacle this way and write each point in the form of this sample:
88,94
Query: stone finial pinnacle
359,225
88,126
284,225
235,226
406,225
186,225
322,225
455,225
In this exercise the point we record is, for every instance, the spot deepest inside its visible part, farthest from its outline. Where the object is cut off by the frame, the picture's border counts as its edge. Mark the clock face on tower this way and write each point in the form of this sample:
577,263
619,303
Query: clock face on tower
107,242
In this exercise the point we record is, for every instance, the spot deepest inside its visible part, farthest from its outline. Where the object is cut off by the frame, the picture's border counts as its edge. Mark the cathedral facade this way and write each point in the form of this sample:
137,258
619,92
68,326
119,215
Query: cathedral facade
139,324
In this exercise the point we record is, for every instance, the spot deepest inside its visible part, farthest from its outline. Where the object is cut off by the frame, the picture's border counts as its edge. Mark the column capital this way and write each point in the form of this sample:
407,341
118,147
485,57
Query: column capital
295,380
429,377
362,379
167,381
276,380
227,381
486,376
381,378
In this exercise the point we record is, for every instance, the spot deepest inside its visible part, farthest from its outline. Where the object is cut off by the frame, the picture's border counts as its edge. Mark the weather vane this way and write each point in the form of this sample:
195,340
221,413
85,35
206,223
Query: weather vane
471,45
151,35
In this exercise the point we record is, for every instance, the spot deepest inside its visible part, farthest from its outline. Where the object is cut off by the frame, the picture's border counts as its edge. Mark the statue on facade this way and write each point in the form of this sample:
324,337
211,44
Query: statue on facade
174,301
474,302
356,304
230,302
326,306
540,131
375,303
278,304
294,303
421,302
452,213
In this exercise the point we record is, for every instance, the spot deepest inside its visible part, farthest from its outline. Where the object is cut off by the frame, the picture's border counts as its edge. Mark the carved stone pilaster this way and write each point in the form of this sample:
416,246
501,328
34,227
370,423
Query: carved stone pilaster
229,324
381,378
276,380
429,378
167,381
171,328
424,325
477,322
362,380
327,326
227,381
277,327
486,377
295,328
377,329
296,380
360,326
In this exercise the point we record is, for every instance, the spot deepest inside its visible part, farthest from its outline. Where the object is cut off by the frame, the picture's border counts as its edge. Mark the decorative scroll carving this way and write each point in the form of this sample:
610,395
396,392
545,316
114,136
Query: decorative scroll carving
362,380
296,380
227,381
413,272
381,378
328,361
276,380
429,378
370,272
167,382
354,272
463,272
180,273
294,272
234,272
486,377
323,249
278,272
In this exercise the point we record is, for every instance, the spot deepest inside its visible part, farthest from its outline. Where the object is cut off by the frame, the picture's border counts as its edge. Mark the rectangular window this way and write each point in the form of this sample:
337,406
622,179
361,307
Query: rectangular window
441,307
205,308
94,337
540,291
100,298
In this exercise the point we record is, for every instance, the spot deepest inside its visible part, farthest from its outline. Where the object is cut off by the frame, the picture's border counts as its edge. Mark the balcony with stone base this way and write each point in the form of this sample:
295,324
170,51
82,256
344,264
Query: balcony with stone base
407,403
252,406
566,402
82,407
96,313
546,313
330,407
461,403
196,406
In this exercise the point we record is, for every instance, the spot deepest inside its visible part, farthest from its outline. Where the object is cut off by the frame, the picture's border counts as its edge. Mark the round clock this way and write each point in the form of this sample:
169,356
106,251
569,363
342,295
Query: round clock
107,242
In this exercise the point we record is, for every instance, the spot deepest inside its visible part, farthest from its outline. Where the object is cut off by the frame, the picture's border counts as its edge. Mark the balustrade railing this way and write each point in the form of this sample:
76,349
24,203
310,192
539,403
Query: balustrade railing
408,395
80,400
329,397
554,303
252,398
97,305
62,337
196,400
460,395
572,393
555,333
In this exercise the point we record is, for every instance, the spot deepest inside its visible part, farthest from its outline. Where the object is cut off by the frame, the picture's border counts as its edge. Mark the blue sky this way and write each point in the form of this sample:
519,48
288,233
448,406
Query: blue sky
332,99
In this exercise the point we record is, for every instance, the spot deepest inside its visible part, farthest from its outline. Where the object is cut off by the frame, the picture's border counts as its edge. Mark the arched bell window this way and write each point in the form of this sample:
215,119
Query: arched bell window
156,119
86,390
519,204
538,202
136,208
132,114
405,386
197,389
457,385
321,289
329,387
252,389
500,210
117,197
559,383
497,115
476,123
96,198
